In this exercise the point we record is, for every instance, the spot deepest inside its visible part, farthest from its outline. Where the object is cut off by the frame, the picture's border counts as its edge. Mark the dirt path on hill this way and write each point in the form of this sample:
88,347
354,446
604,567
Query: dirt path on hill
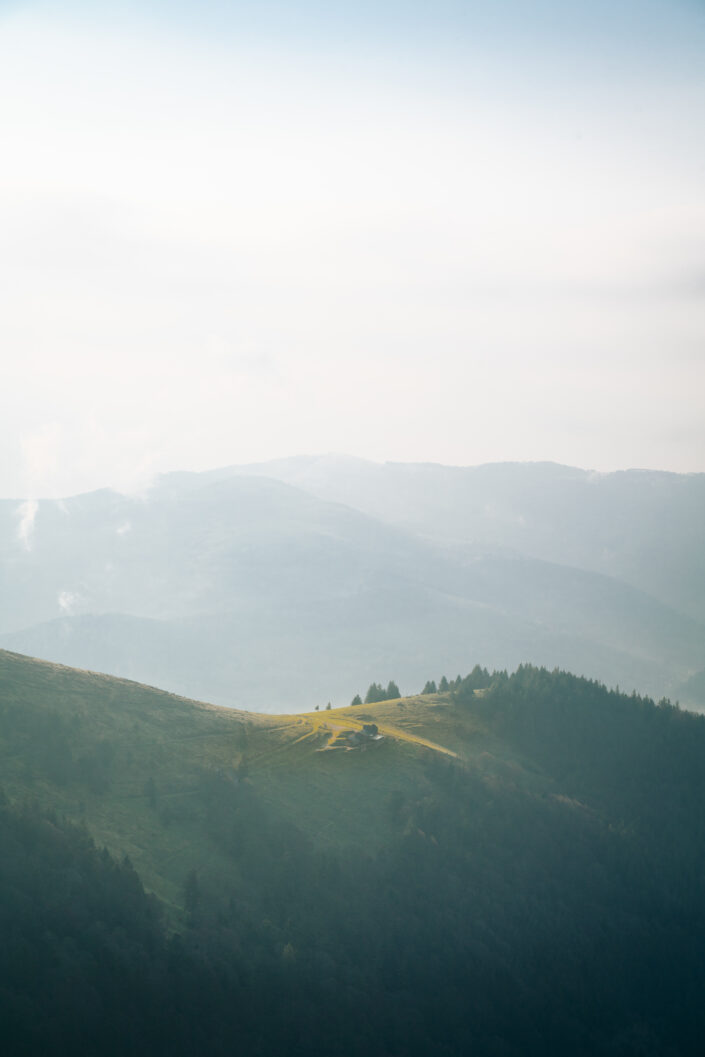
384,729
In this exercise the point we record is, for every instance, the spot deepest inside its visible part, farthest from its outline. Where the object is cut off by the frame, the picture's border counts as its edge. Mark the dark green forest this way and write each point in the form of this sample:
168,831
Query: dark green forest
501,917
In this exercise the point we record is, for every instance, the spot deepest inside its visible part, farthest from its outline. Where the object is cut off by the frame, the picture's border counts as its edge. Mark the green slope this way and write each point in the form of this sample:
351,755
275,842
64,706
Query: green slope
142,769
506,873
136,764
128,761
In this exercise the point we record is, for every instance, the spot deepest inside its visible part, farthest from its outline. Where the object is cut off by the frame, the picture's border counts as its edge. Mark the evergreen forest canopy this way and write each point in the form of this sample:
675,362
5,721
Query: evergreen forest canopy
514,866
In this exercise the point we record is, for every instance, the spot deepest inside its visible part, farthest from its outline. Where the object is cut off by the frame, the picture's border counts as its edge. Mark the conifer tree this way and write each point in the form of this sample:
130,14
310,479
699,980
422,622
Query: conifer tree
375,692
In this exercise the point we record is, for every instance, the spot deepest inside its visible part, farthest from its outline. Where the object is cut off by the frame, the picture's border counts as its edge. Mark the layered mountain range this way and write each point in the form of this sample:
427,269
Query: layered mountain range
292,583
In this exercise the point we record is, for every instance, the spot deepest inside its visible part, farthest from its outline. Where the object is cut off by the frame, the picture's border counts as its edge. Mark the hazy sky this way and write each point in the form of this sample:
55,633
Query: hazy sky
455,232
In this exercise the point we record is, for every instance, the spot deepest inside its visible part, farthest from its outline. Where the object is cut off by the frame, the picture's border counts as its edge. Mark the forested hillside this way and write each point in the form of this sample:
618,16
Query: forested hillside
512,867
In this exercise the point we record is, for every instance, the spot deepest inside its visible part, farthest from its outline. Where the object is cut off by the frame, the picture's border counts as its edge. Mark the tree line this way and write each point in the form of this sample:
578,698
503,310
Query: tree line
478,678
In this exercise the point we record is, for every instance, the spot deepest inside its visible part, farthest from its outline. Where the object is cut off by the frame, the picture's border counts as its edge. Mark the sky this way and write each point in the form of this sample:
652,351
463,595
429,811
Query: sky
450,232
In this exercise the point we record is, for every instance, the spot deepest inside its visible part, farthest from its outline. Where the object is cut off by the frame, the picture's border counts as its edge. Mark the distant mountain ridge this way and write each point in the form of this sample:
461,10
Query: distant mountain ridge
253,591
645,527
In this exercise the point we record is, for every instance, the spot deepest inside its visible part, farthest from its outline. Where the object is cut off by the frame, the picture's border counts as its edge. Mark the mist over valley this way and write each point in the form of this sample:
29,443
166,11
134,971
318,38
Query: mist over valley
245,590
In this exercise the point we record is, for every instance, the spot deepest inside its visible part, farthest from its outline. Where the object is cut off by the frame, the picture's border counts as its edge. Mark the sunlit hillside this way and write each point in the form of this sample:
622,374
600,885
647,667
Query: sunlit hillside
137,765
511,867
